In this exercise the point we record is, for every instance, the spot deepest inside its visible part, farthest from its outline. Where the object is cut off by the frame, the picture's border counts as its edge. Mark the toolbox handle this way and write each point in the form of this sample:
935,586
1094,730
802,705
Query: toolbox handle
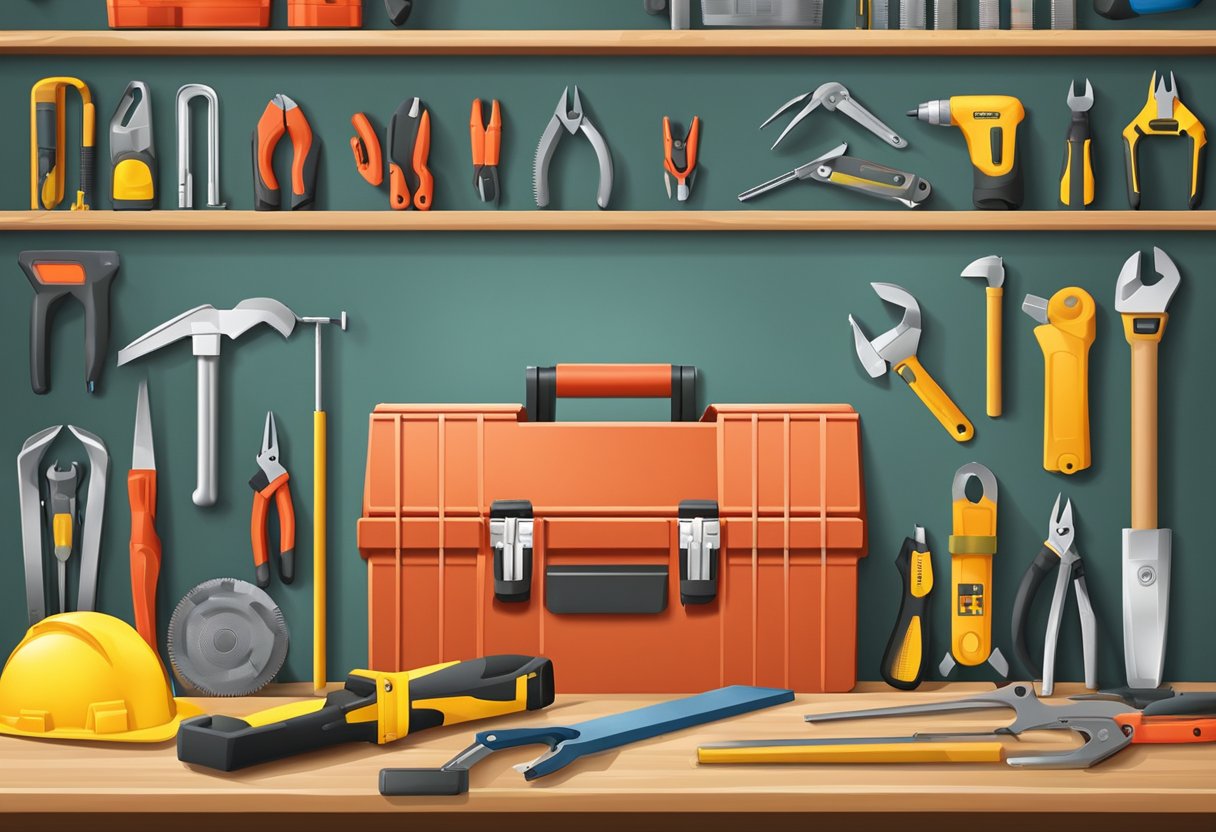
545,385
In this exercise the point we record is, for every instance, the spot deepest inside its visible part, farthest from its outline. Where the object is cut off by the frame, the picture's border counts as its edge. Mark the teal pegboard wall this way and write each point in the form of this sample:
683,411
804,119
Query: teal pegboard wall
456,317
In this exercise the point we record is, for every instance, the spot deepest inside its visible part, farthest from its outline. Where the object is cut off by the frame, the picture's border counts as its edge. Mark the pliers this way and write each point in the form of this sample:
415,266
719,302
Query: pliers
1059,550
486,142
271,481
411,184
680,158
1164,115
283,116
834,96
573,120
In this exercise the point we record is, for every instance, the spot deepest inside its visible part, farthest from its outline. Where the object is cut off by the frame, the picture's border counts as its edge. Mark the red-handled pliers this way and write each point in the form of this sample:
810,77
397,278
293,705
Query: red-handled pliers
270,481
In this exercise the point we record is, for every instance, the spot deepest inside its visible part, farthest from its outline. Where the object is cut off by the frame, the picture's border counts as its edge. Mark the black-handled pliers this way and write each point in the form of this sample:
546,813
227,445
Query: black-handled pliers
1059,552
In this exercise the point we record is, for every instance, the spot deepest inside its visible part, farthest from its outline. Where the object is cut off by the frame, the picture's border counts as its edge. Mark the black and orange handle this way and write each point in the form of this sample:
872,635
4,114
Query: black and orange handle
545,385
365,145
306,149
145,551
681,171
258,534
266,135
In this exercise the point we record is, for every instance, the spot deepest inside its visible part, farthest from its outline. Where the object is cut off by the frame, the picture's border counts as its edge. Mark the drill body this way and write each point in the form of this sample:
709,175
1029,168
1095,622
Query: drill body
990,127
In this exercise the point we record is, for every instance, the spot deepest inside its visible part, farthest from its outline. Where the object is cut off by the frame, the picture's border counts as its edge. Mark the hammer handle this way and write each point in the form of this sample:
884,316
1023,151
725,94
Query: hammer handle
208,467
995,296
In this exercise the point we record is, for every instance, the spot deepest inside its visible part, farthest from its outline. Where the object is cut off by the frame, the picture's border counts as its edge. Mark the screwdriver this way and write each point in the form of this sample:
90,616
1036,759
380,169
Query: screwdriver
906,656
1077,180
373,707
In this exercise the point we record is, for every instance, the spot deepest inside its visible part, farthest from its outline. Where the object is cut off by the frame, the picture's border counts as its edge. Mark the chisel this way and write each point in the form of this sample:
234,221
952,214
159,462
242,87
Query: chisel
145,543
907,654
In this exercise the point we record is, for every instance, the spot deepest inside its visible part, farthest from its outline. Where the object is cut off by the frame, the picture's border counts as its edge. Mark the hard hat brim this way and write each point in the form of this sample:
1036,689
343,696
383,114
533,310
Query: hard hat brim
157,733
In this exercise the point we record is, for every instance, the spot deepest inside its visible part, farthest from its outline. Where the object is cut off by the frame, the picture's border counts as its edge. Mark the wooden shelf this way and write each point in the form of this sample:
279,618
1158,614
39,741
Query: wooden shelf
608,42
713,221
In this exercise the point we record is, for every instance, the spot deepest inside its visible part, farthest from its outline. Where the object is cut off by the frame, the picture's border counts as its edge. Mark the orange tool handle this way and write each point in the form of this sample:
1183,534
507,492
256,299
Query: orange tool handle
1160,730
259,538
145,552
605,381
477,134
399,190
266,137
307,153
422,152
493,142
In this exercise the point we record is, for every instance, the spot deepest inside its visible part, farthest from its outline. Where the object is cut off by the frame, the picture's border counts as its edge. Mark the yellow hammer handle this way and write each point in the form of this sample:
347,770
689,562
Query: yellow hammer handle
1144,434
880,752
936,399
995,337
319,512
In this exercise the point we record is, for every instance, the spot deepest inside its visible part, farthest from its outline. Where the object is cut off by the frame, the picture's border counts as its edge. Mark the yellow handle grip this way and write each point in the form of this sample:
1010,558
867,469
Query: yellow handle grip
925,751
319,531
935,398
995,337
1065,343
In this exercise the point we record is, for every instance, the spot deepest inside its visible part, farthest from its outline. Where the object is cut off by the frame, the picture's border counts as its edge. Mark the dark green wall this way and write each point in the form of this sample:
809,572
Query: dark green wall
456,317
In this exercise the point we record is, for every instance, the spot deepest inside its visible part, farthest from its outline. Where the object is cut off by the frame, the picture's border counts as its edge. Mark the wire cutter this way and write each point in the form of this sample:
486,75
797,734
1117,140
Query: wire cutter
1059,551
573,119
680,158
283,116
271,481
486,142
834,96
1164,115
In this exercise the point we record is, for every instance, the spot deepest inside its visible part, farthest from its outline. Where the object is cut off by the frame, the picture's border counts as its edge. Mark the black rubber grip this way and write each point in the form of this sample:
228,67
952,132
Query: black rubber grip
88,173
999,193
1201,703
1045,561
398,11
1115,9
265,198
419,782
910,608
490,679
1133,182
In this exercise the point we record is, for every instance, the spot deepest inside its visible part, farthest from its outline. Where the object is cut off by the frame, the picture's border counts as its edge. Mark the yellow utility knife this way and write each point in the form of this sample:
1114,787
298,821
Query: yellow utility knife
1065,334
972,547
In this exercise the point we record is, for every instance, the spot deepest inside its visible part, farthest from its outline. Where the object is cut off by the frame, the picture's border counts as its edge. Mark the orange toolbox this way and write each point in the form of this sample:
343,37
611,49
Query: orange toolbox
325,14
697,553
188,14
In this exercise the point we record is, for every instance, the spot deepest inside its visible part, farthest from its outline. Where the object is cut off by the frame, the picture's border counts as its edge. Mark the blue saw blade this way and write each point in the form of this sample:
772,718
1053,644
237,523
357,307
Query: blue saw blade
569,743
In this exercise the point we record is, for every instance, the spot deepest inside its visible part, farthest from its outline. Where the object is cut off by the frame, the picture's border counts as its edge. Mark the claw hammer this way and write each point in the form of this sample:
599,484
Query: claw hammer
992,269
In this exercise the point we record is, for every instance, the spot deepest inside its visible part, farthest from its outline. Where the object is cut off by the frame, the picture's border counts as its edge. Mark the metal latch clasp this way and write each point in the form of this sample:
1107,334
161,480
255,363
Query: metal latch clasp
700,542
511,528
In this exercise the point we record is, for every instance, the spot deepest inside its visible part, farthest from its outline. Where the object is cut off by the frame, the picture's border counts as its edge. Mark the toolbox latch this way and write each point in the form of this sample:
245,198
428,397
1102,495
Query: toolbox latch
700,542
511,541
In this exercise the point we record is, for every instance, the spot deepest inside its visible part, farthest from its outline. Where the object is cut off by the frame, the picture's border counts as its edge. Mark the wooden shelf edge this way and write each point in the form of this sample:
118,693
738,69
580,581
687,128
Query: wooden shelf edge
607,42
597,221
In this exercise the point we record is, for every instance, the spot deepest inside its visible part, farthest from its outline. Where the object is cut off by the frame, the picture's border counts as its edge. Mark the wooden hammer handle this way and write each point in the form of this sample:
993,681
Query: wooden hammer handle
1144,434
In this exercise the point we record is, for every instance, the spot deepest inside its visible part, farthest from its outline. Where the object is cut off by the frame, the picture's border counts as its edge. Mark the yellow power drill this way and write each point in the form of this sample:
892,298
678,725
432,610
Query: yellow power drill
990,126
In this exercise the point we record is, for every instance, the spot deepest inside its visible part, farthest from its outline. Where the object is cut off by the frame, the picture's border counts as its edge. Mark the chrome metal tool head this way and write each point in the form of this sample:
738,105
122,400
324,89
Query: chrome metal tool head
990,268
205,324
896,344
834,96
268,454
1060,532
1165,94
1134,297
1080,103
570,115
143,457
976,470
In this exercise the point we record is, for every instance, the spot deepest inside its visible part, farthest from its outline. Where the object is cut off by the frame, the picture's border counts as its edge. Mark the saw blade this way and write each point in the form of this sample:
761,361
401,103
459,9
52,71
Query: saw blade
227,638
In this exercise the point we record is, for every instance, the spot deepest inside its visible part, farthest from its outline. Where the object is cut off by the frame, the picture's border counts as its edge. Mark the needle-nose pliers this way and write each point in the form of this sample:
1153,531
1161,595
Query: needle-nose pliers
271,481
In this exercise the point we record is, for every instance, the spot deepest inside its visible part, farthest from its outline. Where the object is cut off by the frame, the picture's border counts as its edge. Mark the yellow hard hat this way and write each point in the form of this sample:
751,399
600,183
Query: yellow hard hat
88,676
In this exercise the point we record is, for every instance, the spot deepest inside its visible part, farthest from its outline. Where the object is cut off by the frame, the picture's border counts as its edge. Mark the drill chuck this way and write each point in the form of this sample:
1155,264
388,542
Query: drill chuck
934,112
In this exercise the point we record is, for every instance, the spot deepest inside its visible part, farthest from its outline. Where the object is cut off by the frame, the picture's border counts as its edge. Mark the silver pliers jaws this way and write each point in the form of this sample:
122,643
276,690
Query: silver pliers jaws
834,96
572,119
1059,552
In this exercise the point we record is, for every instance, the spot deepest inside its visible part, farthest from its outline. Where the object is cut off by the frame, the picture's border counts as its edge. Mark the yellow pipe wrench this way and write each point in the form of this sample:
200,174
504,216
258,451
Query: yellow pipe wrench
897,347
1065,333
972,546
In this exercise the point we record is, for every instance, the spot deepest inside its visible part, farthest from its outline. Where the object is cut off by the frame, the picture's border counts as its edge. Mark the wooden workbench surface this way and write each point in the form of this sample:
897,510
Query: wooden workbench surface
40,779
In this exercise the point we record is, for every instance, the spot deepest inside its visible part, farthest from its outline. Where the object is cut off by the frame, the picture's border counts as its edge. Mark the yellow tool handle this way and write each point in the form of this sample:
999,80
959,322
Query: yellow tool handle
1065,342
1144,433
971,623
936,399
319,512
61,527
995,297
923,751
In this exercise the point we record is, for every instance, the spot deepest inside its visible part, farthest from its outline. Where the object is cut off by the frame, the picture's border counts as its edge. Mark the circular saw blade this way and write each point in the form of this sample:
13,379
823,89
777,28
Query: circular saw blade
227,638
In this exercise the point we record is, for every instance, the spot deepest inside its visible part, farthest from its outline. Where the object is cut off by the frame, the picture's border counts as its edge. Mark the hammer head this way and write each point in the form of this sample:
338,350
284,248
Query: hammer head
896,344
990,268
205,326
1134,297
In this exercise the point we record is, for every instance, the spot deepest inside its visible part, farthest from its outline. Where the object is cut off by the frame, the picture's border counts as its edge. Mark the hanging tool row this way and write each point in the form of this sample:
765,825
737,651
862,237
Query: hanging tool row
989,124
1065,333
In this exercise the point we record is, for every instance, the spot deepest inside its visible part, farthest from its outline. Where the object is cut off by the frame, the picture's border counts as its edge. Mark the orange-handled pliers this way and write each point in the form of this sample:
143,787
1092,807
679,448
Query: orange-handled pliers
486,143
680,158
283,116
271,480
409,147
